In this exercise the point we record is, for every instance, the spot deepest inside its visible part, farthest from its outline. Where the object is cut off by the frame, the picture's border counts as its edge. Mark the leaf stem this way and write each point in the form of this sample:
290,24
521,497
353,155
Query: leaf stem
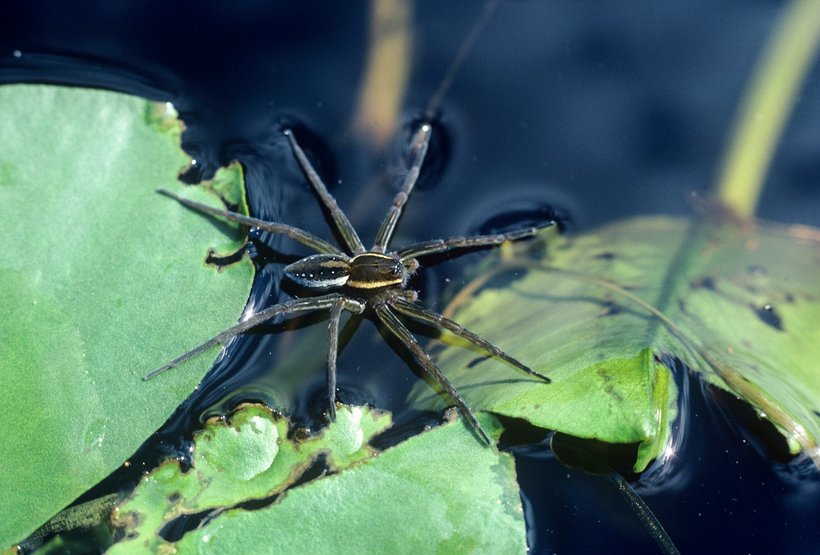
767,104
387,70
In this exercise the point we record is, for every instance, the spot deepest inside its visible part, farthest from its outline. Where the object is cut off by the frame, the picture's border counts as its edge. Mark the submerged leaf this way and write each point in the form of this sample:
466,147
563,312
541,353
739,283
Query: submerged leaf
103,280
598,312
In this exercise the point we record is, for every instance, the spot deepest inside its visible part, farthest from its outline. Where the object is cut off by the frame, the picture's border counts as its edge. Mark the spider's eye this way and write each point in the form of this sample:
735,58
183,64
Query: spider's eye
395,269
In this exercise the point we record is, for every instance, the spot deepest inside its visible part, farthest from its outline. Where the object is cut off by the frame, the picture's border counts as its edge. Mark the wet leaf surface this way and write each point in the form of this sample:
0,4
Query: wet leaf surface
248,457
597,313
98,274
440,491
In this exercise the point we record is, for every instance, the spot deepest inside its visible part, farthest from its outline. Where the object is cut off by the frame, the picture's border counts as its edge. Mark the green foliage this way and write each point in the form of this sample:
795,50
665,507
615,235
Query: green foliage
597,312
441,491
247,458
103,280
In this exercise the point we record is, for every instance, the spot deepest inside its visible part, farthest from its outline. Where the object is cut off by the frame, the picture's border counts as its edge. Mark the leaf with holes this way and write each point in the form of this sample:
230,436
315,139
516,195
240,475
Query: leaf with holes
441,491
599,312
246,458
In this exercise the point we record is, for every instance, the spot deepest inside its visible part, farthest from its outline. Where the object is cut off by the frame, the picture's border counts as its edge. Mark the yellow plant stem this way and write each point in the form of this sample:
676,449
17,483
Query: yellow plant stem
767,105
386,73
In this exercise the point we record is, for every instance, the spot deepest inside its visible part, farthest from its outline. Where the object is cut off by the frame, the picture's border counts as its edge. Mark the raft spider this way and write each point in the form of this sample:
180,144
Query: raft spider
359,279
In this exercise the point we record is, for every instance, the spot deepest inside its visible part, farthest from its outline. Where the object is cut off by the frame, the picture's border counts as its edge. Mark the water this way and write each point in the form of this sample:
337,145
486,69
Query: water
730,487
598,112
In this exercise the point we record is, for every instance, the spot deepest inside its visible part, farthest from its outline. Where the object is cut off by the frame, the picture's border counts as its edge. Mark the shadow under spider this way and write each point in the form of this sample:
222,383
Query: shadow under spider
372,282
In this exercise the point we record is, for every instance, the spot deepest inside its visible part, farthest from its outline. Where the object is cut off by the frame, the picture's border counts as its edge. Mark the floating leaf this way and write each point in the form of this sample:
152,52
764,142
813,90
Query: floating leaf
247,458
597,312
103,280
441,491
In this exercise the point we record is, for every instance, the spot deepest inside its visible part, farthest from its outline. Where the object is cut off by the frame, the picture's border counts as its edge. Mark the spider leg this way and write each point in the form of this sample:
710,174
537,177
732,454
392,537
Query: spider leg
351,238
441,321
421,140
443,245
289,307
391,321
333,344
303,237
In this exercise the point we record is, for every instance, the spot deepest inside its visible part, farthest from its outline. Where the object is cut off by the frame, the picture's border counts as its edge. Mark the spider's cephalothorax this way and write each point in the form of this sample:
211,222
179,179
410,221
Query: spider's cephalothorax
355,278
364,273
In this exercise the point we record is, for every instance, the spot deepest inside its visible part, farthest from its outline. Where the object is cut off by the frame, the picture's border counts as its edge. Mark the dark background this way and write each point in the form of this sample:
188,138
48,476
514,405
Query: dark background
614,108
600,110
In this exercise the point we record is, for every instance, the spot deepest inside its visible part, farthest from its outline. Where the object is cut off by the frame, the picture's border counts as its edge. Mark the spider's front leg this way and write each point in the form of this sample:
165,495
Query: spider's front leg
441,322
391,321
438,246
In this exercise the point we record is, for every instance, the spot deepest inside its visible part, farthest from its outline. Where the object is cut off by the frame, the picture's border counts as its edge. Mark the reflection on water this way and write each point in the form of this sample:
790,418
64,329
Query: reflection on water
597,111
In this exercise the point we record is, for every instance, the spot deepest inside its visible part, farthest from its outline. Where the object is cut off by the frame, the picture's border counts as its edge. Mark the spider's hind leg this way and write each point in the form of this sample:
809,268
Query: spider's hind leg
296,305
221,260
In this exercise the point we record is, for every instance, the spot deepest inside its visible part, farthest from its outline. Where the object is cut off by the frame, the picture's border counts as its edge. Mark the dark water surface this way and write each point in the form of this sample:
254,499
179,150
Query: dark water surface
600,111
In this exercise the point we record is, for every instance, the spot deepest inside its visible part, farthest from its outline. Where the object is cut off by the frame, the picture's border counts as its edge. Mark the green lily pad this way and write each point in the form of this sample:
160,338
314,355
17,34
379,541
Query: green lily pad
103,280
599,311
440,491
247,458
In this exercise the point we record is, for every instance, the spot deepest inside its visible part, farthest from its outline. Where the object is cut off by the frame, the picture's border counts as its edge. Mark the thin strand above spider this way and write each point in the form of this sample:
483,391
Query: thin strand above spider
375,278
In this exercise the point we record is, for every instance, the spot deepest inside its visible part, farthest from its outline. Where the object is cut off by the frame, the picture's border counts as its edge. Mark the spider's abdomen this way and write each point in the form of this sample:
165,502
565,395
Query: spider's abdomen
320,271
371,270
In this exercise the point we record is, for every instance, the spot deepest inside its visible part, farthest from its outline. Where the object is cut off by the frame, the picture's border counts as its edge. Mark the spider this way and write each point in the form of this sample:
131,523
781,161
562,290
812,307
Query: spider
360,279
